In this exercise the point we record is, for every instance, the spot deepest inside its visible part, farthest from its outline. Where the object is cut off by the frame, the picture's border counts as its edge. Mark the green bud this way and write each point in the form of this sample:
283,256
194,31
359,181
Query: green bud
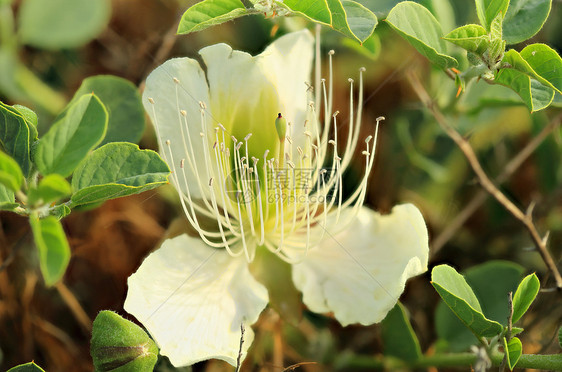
119,345
281,127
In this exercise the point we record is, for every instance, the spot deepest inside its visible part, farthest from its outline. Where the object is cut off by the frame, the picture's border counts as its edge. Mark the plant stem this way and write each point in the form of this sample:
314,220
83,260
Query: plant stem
485,182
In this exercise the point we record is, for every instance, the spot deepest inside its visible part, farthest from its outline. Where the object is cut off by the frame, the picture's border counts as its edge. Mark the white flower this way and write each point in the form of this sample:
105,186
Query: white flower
246,186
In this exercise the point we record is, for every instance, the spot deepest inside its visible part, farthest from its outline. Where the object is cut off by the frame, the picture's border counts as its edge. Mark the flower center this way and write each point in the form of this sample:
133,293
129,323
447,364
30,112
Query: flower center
275,198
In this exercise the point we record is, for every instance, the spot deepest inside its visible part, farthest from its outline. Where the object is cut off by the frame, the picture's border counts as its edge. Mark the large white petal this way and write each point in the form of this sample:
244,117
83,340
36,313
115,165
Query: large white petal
360,272
287,63
193,299
248,92
169,98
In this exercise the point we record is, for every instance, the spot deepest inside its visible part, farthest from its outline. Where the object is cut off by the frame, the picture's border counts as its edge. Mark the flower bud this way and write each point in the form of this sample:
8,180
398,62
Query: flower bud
118,344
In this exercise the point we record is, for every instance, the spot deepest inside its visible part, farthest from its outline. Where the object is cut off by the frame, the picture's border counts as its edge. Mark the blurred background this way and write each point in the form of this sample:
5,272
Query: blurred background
49,47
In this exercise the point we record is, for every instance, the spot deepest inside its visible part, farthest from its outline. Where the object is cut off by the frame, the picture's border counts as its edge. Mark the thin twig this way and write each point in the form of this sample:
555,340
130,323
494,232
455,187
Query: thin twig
74,306
482,195
238,364
485,182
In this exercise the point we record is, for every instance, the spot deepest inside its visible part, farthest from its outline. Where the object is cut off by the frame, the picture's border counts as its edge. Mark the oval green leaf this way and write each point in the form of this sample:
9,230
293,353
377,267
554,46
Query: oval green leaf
51,188
470,37
120,345
505,277
525,295
115,170
209,13
27,367
62,23
524,18
398,337
52,246
123,103
513,351
15,136
534,94
546,63
487,10
10,172
419,27
81,127
460,298
358,22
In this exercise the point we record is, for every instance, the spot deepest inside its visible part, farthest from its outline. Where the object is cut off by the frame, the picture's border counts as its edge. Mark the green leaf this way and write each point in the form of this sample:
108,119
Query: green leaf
62,23
51,188
315,10
27,367
460,298
419,27
505,277
534,94
115,170
54,252
517,62
525,295
10,172
357,22
275,275
123,103
60,211
546,63
209,13
399,339
15,136
497,44
487,10
120,345
29,115
524,19
81,127
473,38
442,10
7,199
513,351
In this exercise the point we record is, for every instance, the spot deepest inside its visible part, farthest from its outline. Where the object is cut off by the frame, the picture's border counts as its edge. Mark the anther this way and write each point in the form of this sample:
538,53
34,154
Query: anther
308,134
211,181
366,153
323,171
331,52
368,139
380,118
176,80
215,145
335,114
332,142
222,127
350,80
337,158
291,164
238,146
314,146
234,139
362,69
248,136
168,142
266,153
182,162
150,100
299,150
202,134
183,113
289,139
